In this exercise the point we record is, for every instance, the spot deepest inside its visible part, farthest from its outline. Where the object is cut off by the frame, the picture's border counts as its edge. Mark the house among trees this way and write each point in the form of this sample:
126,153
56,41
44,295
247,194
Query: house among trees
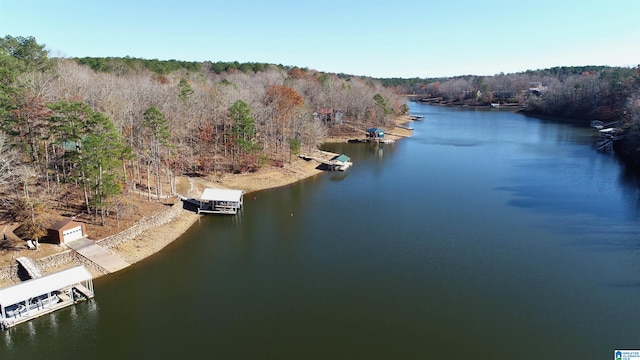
536,88
65,230
329,116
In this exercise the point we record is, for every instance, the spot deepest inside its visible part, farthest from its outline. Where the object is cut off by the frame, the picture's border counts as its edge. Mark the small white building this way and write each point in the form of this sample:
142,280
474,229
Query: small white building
220,201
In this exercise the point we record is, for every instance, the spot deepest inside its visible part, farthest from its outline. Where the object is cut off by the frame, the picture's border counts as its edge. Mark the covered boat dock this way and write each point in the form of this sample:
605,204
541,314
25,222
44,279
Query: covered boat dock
220,201
36,297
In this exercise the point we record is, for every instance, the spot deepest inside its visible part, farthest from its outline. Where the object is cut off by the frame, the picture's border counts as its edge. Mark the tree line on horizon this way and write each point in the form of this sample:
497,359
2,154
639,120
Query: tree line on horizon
124,65
577,93
86,134
573,92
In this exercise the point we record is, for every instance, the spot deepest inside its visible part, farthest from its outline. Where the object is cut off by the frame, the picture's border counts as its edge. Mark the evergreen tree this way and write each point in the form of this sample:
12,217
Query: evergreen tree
31,56
156,123
92,151
184,89
243,128
102,153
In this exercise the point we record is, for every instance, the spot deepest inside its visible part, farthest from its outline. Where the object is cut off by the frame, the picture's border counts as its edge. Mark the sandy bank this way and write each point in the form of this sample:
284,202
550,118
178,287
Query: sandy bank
154,240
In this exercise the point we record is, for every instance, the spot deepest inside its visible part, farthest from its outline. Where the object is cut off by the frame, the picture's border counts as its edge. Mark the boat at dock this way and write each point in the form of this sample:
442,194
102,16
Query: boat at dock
40,296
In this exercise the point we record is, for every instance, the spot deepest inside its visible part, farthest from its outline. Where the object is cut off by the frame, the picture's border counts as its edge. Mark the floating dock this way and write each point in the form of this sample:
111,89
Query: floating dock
40,296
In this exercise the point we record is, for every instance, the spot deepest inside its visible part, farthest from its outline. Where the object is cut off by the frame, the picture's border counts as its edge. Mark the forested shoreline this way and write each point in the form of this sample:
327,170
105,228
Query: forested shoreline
84,135
578,94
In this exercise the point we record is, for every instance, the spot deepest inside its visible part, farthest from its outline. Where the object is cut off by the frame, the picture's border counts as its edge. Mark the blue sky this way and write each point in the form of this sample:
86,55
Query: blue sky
423,38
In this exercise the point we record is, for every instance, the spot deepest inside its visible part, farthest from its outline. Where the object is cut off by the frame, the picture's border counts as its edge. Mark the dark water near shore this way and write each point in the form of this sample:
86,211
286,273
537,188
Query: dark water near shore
487,235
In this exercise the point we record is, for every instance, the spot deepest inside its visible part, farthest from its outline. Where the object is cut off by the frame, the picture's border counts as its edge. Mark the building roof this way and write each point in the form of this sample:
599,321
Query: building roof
40,286
61,224
343,158
375,130
210,194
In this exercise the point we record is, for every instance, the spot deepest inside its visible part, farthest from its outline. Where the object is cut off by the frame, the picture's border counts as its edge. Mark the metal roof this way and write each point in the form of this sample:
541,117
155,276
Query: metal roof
40,286
59,225
342,158
210,194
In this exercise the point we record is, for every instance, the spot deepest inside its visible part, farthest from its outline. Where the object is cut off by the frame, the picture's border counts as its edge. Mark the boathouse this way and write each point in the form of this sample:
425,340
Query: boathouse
65,230
220,201
341,162
36,297
375,133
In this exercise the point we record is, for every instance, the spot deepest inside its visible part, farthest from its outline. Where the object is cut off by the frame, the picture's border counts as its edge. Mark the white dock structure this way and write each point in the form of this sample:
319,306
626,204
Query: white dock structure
220,201
36,297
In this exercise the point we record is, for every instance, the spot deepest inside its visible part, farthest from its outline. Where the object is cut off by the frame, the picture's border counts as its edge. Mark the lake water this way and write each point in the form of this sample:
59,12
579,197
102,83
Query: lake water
487,235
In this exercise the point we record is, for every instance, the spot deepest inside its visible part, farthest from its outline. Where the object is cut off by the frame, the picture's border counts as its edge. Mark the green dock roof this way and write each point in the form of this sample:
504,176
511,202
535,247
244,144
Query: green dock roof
343,158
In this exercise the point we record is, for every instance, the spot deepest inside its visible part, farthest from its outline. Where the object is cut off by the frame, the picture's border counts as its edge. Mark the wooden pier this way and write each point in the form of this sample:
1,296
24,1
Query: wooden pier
608,133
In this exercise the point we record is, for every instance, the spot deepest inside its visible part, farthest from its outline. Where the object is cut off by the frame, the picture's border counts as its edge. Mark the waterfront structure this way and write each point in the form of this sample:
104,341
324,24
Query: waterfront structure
375,133
66,230
329,116
341,162
36,297
220,201
609,133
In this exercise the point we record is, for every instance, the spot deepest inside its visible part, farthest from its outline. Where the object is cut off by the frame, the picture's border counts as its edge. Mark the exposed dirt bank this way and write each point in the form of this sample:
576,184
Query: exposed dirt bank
153,240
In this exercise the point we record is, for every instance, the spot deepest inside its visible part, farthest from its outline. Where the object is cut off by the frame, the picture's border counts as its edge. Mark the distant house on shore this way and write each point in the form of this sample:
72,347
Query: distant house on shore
536,88
329,116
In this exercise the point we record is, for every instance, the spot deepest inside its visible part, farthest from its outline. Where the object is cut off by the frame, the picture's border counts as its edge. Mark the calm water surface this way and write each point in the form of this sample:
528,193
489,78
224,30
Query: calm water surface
487,235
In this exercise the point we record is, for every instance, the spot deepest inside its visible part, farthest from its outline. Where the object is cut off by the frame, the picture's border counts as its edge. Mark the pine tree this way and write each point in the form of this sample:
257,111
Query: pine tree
157,124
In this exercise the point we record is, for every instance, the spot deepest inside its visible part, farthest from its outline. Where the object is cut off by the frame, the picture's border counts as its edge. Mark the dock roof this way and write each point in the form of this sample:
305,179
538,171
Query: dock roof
342,158
40,286
210,194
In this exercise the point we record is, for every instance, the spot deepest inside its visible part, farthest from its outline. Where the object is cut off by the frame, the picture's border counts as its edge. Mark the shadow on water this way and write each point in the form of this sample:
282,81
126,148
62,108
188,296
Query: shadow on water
587,182
339,175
